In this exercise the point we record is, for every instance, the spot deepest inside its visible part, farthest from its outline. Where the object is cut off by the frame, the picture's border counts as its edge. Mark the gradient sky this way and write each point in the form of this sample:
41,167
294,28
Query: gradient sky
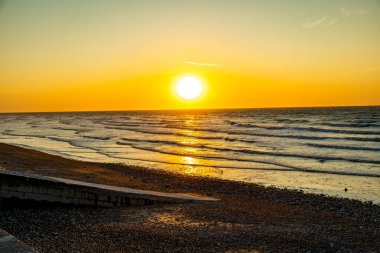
75,55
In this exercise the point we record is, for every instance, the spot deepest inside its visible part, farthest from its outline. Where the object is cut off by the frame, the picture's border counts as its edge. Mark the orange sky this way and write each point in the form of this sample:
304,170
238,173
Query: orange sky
114,55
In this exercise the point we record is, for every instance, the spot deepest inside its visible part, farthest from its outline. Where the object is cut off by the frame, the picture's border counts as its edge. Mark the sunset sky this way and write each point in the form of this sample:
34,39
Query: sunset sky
77,55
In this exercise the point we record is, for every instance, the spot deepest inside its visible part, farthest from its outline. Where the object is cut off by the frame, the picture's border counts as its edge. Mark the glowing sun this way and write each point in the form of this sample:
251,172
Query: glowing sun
189,87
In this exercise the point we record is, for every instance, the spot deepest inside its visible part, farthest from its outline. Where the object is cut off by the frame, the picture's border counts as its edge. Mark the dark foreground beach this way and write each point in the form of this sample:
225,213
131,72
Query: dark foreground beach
248,218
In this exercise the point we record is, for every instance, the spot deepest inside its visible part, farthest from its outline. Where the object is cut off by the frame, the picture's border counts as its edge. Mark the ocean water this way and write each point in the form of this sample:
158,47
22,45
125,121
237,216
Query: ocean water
319,150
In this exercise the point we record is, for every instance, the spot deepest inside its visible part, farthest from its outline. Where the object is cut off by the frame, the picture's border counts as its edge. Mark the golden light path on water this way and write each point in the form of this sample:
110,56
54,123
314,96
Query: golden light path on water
192,165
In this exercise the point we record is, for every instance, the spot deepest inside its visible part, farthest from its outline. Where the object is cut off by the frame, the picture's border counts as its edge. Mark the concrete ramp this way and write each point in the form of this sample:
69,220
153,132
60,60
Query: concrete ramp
35,187
9,244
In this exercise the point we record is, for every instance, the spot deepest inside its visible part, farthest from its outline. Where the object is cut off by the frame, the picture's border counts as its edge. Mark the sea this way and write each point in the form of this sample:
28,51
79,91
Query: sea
332,150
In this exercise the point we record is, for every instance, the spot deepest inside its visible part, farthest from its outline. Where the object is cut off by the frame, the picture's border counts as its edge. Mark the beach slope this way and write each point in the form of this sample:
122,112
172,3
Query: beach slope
247,218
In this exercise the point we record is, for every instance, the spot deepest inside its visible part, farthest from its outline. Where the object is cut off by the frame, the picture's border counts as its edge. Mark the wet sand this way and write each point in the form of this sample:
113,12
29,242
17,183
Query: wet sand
248,218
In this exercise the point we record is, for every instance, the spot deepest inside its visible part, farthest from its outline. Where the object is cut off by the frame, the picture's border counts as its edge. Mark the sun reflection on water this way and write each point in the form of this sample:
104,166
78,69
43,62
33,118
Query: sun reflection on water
188,146
189,160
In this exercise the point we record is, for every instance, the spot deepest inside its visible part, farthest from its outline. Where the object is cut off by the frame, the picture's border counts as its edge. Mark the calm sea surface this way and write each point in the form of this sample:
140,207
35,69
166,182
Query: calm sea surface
321,150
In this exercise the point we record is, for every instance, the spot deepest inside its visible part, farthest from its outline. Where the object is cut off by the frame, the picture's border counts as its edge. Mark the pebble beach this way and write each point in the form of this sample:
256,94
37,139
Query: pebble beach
248,217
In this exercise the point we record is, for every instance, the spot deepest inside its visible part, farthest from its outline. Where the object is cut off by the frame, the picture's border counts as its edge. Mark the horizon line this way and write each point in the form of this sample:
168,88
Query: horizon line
194,109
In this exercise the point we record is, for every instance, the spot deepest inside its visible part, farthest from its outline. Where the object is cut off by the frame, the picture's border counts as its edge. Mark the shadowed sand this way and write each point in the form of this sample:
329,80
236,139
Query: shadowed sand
248,218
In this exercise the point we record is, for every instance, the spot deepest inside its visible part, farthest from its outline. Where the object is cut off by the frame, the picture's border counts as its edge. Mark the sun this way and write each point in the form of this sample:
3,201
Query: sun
189,88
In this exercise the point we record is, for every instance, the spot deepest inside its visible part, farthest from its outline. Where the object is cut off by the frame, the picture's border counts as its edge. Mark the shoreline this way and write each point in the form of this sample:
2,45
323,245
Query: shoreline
253,216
